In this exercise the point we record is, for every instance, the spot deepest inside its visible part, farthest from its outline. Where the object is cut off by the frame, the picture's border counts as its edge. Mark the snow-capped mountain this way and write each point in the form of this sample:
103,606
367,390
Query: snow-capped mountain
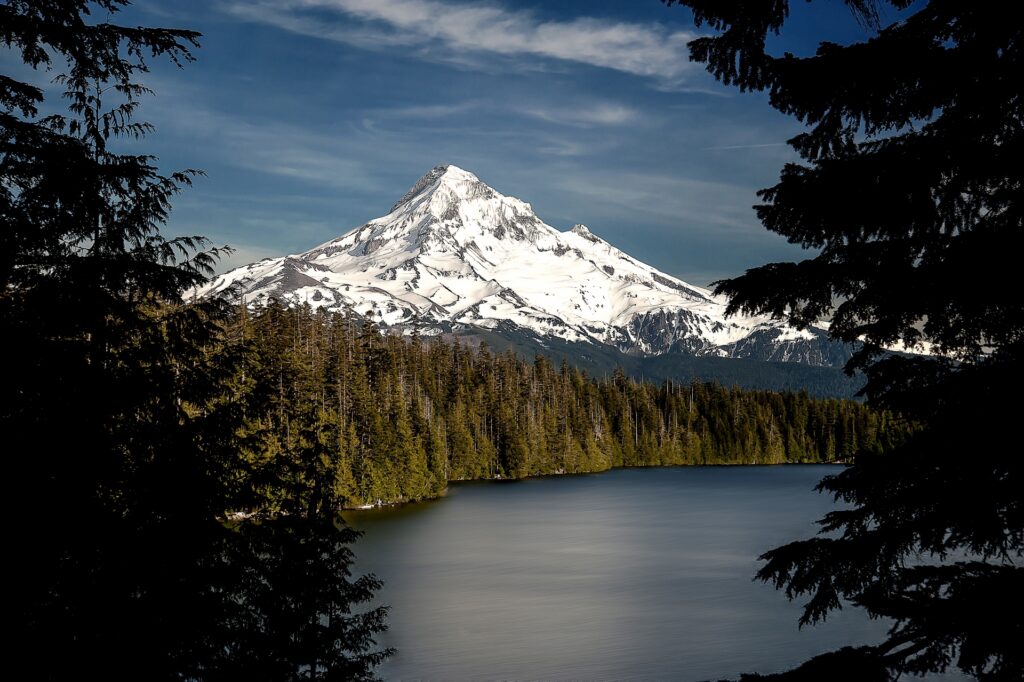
454,254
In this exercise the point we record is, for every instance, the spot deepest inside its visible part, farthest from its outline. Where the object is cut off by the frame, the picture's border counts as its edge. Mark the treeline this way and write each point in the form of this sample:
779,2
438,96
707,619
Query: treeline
393,419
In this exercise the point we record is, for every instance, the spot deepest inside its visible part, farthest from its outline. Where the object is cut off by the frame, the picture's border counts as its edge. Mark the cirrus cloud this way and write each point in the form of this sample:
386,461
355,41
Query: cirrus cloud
643,49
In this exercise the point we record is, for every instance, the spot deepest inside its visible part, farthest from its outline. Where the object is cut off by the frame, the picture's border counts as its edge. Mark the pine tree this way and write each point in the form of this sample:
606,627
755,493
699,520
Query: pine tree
910,193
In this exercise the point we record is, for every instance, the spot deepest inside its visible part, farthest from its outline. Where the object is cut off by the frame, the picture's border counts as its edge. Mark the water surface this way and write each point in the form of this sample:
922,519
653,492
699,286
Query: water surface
639,574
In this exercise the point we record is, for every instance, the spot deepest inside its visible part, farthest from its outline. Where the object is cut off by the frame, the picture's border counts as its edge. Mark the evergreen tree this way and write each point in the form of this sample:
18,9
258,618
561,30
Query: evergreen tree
910,193
307,387
124,413
289,586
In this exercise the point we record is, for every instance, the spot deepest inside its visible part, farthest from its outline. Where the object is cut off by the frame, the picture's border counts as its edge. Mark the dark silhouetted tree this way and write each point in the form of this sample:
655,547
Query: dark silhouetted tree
910,195
120,407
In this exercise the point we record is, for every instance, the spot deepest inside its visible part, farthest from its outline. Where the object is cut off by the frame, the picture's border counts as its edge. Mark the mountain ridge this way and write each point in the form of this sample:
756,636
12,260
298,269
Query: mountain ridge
453,252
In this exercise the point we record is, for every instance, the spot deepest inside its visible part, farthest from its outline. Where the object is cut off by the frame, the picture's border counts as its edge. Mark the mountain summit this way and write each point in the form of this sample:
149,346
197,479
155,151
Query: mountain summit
454,254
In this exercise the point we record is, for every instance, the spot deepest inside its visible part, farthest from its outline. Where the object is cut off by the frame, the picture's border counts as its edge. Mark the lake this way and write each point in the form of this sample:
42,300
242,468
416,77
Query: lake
639,574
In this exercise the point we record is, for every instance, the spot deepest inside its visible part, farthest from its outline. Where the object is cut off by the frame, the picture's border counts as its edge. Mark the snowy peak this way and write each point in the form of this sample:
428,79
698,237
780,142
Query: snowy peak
453,252
453,205
450,177
581,230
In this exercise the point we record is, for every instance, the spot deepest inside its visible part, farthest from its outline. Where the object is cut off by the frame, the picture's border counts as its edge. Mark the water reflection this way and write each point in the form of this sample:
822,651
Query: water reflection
632,574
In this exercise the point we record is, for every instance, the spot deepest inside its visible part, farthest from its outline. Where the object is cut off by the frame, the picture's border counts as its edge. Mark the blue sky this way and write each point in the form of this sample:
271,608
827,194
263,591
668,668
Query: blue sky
311,117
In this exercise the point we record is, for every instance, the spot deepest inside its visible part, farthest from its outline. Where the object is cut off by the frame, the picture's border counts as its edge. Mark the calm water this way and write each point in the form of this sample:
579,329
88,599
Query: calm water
641,574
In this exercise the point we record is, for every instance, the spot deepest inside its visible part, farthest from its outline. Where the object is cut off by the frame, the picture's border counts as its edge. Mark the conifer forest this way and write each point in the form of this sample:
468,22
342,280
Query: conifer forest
393,419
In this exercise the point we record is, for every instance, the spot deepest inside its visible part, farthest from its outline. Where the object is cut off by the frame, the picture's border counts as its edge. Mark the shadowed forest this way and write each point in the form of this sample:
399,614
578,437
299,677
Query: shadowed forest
395,419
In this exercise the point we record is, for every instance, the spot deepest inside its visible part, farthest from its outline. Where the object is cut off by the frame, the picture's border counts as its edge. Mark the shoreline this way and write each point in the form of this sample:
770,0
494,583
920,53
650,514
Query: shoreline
382,505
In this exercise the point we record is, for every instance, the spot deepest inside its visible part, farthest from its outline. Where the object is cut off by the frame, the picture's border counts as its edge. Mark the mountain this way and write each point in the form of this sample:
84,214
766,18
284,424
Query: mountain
455,256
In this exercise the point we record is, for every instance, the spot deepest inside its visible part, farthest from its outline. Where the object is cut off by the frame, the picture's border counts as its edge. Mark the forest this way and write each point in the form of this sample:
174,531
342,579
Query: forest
385,419
176,470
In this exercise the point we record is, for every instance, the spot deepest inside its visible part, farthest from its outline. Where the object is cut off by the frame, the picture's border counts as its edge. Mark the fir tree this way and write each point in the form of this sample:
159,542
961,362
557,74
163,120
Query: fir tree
910,193
127,414
422,424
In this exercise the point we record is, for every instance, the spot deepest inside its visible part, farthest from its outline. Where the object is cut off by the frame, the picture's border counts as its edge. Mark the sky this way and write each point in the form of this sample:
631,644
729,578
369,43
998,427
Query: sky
311,117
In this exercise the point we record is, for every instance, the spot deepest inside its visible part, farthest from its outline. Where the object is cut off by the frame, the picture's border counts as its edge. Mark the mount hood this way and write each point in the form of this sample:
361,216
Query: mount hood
454,255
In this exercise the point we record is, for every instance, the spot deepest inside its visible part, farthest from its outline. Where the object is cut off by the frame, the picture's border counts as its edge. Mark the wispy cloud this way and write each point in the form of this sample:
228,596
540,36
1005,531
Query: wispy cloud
744,146
585,114
702,205
428,111
599,114
643,49
278,149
